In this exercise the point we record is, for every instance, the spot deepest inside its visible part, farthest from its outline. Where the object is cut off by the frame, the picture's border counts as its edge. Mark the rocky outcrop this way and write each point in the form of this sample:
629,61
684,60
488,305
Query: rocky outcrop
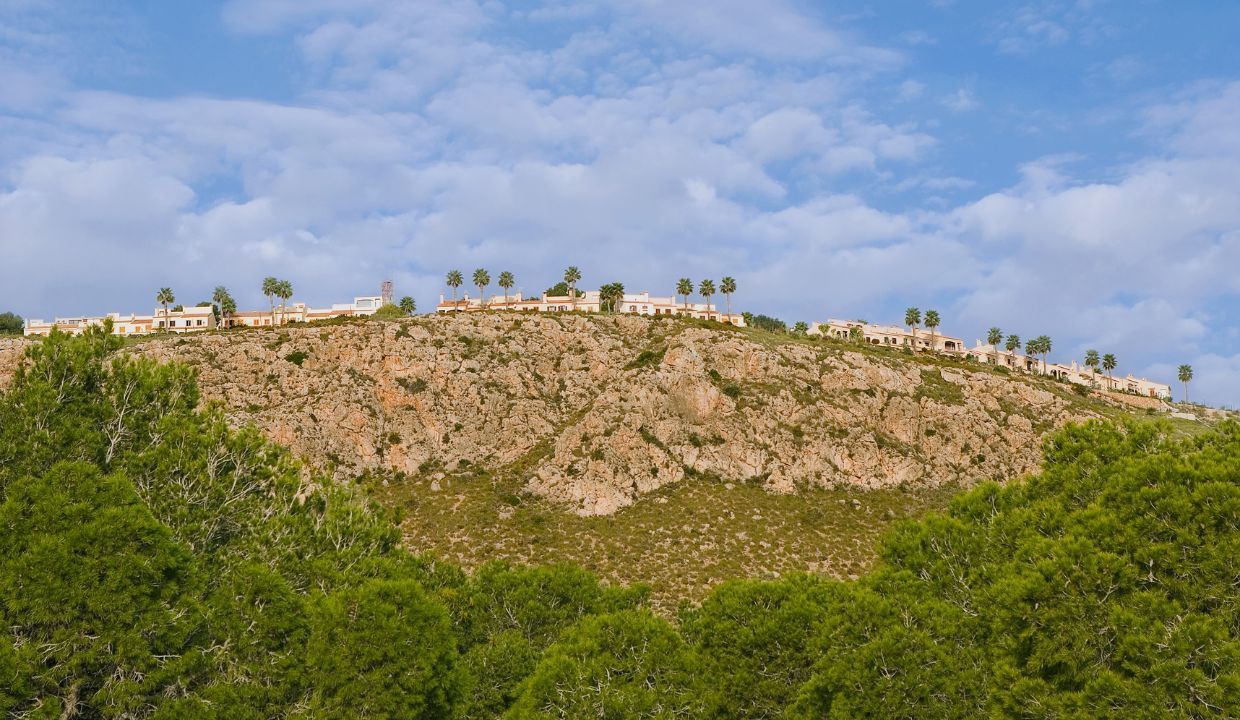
11,350
595,411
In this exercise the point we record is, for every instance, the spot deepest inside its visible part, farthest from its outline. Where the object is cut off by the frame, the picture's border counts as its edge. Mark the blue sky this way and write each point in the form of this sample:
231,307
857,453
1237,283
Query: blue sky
1067,167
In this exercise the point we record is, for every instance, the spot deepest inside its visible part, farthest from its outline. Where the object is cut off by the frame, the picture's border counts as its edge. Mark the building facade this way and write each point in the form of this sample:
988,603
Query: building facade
590,301
1072,372
196,319
924,340
888,335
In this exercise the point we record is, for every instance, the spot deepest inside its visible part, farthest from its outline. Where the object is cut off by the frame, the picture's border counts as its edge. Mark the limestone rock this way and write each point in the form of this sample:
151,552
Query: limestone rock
573,408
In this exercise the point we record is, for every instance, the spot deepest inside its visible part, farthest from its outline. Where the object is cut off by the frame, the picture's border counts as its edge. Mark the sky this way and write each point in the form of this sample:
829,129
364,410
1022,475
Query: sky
1059,167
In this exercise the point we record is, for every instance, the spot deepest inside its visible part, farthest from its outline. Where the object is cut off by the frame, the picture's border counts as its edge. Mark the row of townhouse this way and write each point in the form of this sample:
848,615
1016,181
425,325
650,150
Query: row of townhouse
901,337
590,301
888,335
1072,372
196,319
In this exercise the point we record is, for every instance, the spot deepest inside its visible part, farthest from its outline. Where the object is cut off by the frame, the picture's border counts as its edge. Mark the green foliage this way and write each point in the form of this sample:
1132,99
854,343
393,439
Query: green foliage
389,312
1106,582
561,289
93,589
412,386
156,562
297,357
753,641
508,616
629,664
383,650
765,322
408,306
11,324
610,296
648,358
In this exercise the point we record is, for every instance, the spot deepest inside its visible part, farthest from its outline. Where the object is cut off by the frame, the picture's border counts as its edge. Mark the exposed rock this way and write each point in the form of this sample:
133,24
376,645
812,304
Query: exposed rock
575,407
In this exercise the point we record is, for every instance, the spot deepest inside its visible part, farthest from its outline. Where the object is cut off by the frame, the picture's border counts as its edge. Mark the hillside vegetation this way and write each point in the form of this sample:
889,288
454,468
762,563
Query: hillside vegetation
594,412
156,563
676,454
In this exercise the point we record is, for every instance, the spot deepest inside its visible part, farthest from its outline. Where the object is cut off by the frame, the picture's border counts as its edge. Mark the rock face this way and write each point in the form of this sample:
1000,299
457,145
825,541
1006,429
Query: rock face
594,411
11,350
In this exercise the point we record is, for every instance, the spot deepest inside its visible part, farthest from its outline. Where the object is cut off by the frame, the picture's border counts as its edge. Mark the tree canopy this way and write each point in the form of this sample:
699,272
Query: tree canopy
11,323
157,562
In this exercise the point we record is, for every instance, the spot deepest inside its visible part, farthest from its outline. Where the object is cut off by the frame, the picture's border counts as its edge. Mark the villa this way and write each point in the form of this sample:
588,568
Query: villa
642,303
1073,373
196,319
924,340
299,312
888,335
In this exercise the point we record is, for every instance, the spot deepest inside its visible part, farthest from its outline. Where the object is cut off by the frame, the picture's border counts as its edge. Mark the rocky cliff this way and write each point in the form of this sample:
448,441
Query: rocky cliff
595,411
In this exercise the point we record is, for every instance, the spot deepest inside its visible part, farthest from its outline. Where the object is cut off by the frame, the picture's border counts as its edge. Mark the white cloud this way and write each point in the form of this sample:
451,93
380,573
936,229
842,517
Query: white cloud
651,141
910,90
963,100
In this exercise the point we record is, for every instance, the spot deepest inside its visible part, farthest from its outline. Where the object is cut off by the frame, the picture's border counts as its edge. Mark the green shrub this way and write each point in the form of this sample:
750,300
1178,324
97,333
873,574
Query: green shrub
413,386
647,358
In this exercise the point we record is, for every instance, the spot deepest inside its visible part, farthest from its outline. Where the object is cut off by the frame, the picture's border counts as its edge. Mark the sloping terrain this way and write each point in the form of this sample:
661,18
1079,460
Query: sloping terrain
595,411
665,452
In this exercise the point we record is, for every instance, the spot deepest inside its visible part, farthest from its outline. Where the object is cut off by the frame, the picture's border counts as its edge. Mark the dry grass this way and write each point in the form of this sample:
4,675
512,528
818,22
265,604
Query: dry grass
681,540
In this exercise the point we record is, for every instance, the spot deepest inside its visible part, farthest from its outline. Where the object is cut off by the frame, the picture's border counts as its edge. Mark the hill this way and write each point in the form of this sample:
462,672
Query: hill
667,452
156,563
596,411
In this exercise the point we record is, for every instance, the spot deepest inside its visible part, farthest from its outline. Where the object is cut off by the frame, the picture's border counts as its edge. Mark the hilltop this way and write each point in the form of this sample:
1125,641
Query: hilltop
596,411
669,451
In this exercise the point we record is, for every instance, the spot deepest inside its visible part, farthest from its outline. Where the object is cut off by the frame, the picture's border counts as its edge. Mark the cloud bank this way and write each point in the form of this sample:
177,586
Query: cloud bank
642,141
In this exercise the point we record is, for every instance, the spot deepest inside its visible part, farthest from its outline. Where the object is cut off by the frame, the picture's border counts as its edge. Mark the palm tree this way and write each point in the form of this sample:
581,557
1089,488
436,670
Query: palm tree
506,281
1109,363
1092,360
1012,344
994,336
571,276
407,305
684,286
165,298
482,278
284,291
454,281
706,288
912,318
856,334
1186,375
727,286
932,322
610,296
1044,344
270,285
1040,345
801,327
224,301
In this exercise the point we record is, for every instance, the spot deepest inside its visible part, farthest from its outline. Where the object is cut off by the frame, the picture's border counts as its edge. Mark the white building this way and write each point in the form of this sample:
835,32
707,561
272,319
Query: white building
642,303
888,335
901,337
1073,372
299,312
196,319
